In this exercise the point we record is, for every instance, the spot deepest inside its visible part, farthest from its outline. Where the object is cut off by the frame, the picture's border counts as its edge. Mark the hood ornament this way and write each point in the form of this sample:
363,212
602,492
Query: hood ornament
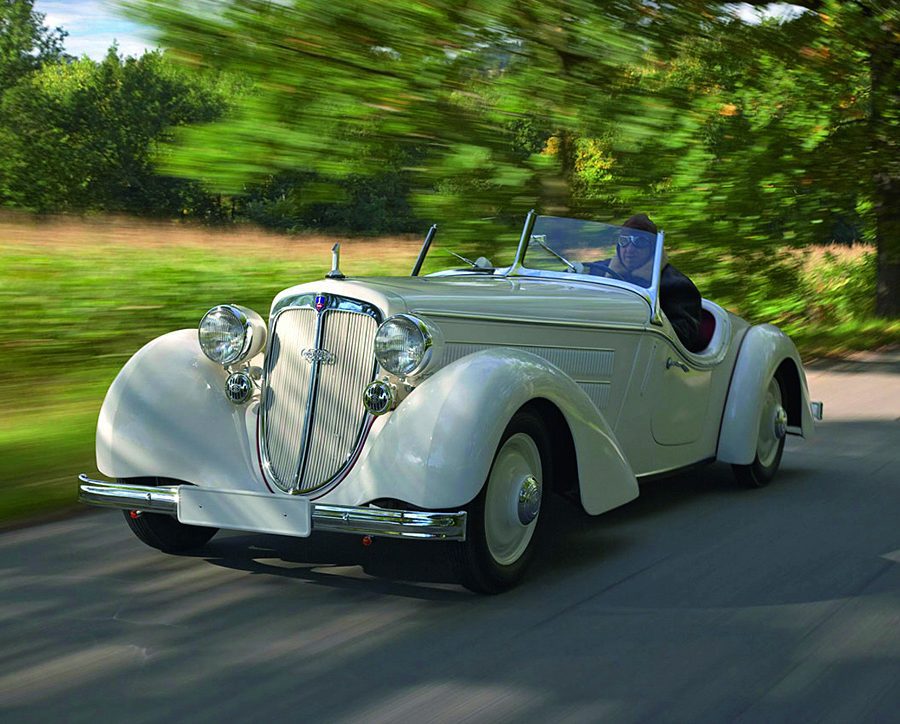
335,272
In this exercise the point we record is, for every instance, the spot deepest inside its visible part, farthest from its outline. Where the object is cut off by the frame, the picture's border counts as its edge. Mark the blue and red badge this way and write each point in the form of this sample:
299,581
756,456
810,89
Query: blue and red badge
321,302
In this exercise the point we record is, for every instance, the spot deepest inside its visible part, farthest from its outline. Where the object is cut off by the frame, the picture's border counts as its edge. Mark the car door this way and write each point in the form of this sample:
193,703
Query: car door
679,395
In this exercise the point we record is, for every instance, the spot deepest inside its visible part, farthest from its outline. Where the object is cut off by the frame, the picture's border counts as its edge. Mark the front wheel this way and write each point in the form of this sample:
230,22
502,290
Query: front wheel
503,520
165,532
770,440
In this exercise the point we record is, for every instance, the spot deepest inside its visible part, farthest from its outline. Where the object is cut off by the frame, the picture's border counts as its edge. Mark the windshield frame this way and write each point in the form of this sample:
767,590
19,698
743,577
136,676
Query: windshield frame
650,294
518,269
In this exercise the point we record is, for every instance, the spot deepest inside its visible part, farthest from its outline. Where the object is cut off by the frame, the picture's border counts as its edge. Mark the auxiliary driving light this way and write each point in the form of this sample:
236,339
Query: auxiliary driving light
239,387
379,397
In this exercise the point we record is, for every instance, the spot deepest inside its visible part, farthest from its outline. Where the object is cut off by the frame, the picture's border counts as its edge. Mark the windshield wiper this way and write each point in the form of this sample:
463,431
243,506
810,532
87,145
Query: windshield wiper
481,263
577,267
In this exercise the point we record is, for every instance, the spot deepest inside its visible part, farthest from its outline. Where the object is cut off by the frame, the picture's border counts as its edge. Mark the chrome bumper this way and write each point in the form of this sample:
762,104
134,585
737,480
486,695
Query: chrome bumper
360,520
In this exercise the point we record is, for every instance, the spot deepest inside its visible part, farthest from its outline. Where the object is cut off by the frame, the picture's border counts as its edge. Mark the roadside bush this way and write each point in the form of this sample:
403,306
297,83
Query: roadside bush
838,283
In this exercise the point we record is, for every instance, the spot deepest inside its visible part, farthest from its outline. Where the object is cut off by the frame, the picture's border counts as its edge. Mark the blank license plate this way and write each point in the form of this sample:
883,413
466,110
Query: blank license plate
237,510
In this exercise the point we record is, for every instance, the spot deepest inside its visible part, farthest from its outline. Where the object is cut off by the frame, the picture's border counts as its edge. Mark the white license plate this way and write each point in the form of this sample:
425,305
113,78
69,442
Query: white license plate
238,510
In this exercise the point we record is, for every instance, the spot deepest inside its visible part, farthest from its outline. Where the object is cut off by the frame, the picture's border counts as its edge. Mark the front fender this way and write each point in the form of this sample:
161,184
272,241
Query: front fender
166,415
435,450
764,350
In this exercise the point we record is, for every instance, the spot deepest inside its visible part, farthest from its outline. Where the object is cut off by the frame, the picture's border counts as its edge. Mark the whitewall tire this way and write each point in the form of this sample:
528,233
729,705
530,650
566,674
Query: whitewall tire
770,438
504,519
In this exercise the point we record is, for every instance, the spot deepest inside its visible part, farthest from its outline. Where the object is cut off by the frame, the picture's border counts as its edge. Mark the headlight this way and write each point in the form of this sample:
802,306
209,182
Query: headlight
404,344
230,334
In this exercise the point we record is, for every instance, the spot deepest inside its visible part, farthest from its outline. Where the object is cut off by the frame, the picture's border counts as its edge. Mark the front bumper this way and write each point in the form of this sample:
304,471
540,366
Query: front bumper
359,520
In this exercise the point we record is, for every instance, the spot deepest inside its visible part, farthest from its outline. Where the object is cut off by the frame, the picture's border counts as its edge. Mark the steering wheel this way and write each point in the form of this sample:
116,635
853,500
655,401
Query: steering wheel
615,275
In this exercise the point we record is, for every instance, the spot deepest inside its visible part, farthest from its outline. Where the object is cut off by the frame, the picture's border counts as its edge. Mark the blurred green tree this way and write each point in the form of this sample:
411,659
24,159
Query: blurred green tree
469,90
84,135
742,138
25,42
789,134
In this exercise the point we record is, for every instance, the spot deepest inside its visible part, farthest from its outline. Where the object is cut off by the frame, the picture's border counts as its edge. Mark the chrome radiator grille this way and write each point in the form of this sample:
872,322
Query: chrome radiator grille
320,358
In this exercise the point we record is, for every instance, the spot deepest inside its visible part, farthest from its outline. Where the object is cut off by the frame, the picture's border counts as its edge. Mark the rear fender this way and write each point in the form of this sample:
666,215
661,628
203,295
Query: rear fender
764,351
435,450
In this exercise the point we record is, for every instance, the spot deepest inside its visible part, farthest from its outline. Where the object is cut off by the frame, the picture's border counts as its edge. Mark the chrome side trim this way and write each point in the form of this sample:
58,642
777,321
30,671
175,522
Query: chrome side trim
436,313
358,520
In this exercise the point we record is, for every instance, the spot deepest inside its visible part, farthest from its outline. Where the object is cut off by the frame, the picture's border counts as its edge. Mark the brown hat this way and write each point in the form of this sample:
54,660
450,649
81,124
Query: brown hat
642,223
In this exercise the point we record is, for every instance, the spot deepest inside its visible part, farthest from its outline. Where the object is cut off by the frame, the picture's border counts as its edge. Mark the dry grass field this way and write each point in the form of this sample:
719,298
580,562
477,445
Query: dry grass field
112,233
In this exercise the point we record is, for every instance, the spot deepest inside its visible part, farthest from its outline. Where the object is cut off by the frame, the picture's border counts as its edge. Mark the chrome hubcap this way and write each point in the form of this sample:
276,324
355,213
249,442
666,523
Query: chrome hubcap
529,499
772,425
513,499
780,423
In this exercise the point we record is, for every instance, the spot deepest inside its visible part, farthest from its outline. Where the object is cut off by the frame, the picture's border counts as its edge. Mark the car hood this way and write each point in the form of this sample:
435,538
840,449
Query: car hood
513,298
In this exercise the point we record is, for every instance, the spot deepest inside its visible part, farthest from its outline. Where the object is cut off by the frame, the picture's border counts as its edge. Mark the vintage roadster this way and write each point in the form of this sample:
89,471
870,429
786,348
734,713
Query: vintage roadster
442,407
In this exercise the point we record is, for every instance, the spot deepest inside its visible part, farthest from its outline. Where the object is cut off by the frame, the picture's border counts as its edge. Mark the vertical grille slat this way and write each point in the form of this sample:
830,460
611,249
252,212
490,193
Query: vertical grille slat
287,389
337,413
339,409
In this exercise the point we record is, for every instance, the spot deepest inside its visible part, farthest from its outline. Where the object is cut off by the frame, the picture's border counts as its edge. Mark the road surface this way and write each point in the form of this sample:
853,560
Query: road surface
700,601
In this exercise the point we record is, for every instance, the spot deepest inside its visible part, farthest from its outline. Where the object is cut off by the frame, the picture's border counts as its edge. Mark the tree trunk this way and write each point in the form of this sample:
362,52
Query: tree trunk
887,235
885,115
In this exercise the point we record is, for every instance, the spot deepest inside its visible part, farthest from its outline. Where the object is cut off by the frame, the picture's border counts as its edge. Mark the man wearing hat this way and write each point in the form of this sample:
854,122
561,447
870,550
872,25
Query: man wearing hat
633,262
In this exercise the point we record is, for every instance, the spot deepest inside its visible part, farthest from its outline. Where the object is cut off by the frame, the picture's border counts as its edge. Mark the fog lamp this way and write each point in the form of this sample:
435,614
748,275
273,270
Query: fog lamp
379,397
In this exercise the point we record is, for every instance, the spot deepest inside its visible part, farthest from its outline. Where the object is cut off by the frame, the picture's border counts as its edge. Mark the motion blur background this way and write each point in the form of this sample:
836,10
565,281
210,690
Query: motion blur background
141,187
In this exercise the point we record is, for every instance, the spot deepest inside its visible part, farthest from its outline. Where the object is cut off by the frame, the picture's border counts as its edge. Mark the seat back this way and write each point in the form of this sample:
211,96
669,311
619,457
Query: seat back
707,328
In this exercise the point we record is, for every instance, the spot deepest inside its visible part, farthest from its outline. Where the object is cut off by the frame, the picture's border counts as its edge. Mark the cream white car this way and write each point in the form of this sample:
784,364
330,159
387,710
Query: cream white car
441,407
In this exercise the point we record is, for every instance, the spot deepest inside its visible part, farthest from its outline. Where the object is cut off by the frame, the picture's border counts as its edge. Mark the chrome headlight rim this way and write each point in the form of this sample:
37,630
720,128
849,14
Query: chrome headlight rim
429,334
243,316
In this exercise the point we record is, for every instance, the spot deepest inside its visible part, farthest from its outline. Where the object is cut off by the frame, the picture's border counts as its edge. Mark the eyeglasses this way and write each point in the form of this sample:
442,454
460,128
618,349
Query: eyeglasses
638,242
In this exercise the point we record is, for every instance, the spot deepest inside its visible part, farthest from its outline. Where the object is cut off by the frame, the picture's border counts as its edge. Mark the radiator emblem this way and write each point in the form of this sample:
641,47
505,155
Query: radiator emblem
321,302
318,355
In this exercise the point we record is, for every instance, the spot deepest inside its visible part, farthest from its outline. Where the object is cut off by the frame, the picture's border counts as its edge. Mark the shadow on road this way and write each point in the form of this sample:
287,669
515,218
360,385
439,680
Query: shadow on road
570,541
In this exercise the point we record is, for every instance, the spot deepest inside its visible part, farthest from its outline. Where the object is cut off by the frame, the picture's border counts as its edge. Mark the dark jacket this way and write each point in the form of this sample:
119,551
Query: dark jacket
680,302
678,297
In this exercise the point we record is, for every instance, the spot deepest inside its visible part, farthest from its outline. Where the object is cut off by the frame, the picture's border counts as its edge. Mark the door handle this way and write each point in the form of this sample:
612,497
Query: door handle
670,363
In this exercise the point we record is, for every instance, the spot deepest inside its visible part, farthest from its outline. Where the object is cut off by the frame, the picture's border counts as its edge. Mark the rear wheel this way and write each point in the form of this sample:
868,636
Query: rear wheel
162,531
503,521
770,439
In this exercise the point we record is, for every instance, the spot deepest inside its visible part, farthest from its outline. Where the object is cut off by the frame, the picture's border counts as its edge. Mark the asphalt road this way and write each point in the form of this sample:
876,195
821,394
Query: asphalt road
698,602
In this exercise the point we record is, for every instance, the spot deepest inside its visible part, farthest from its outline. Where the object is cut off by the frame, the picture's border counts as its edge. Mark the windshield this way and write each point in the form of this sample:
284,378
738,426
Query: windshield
548,244
592,248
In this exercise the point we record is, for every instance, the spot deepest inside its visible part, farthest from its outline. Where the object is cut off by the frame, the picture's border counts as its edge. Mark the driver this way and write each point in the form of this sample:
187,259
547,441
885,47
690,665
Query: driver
633,262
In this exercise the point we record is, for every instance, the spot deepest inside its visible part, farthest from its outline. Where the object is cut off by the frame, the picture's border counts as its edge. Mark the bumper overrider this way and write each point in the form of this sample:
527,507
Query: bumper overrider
281,515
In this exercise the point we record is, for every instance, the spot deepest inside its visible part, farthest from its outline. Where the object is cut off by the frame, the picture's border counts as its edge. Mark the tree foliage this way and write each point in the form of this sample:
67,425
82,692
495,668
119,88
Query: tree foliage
740,138
83,135
25,42
743,140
